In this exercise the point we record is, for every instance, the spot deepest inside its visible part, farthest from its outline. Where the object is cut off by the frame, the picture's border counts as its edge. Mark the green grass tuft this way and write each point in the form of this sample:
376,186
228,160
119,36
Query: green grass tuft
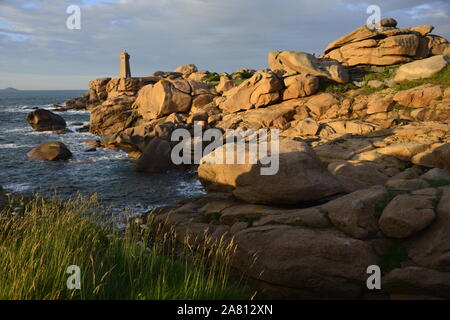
443,78
40,241
393,258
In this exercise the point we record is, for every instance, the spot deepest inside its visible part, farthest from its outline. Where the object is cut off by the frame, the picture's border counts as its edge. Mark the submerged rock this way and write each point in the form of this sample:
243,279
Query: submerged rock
44,120
52,151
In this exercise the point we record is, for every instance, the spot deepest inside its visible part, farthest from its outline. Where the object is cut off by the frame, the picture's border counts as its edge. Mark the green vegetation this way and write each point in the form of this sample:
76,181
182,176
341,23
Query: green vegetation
393,258
213,79
438,183
215,216
402,107
324,212
383,73
443,77
333,87
250,221
40,239
241,75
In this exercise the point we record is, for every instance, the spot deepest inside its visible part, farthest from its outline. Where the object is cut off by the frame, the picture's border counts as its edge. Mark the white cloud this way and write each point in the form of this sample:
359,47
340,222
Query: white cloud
219,35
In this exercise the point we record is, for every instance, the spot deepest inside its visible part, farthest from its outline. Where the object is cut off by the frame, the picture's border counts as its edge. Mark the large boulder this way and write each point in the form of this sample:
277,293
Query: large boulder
300,86
417,283
156,157
422,68
305,63
275,116
128,86
406,215
109,119
301,177
320,103
52,151
355,175
388,51
418,97
163,98
362,33
354,214
295,262
385,45
187,69
431,247
44,120
262,89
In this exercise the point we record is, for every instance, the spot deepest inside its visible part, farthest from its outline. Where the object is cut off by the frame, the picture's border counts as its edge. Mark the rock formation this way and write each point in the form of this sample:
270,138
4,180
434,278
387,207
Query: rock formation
364,161
51,151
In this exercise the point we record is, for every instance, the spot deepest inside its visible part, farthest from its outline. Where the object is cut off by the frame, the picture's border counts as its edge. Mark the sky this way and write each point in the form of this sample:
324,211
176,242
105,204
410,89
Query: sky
39,52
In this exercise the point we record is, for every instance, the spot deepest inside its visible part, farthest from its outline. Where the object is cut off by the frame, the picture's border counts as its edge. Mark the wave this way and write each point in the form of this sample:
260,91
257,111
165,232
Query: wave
13,146
18,187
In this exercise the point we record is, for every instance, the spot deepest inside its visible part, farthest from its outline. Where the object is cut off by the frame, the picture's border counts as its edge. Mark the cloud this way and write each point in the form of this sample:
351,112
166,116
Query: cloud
162,34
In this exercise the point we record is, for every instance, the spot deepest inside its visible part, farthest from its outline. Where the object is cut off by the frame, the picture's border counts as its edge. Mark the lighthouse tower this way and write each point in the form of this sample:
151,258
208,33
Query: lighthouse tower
125,65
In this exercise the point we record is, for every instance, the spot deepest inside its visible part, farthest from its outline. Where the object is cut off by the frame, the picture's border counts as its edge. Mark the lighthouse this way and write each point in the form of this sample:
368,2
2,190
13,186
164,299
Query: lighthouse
125,65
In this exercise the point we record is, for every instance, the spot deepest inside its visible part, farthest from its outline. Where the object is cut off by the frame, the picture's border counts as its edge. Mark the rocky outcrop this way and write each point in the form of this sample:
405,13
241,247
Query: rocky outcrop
187,70
51,151
263,89
156,157
169,96
384,46
300,176
44,120
422,68
300,86
406,215
305,63
306,263
110,119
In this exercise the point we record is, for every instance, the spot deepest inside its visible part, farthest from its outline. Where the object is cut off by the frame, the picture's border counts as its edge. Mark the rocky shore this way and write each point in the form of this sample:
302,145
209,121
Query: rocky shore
364,172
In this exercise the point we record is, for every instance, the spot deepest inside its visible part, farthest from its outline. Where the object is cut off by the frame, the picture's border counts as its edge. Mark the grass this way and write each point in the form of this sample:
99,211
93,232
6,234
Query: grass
333,87
399,107
40,239
438,183
393,258
386,73
442,77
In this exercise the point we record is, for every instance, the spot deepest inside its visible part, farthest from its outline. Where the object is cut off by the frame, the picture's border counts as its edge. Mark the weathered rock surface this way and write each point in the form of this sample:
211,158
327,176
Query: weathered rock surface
354,214
44,120
109,119
417,283
304,263
300,178
51,151
305,63
156,157
422,68
163,98
386,45
431,248
262,89
300,86
406,215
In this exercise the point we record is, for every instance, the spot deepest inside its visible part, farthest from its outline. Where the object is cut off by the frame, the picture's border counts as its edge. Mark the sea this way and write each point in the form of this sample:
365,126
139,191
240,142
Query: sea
107,173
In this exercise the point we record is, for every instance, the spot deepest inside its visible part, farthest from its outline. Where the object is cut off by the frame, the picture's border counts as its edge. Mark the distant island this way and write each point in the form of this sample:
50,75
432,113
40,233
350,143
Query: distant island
9,89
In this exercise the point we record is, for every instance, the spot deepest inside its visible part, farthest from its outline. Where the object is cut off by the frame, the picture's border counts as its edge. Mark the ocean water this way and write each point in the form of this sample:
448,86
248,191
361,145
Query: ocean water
105,172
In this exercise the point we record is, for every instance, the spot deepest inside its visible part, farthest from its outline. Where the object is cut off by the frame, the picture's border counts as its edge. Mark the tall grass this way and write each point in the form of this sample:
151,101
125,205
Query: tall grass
40,239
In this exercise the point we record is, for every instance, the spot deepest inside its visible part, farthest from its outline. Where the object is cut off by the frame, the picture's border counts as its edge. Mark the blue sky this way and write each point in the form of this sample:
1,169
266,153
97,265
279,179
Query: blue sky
37,51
